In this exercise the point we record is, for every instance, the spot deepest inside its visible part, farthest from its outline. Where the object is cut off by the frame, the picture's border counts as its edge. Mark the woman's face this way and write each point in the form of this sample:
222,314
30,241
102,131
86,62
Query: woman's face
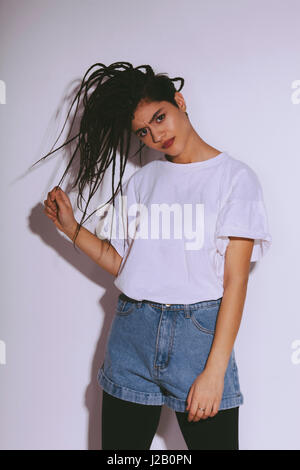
157,122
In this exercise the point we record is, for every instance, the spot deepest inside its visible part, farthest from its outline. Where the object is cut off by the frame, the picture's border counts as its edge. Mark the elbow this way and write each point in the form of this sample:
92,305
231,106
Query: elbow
117,264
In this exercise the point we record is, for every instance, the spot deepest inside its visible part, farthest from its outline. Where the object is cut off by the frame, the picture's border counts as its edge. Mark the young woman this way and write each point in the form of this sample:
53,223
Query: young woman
183,284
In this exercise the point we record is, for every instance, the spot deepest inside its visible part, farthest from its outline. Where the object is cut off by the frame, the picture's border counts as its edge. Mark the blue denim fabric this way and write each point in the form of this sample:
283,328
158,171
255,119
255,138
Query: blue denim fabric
155,352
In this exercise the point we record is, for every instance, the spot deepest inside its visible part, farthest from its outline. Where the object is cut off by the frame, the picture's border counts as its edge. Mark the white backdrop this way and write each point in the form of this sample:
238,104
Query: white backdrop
240,60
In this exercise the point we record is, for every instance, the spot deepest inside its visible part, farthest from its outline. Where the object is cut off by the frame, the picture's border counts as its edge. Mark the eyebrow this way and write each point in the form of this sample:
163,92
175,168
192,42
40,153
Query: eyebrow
152,119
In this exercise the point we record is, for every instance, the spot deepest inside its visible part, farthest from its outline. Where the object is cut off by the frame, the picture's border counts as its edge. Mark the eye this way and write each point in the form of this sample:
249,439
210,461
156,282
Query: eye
161,115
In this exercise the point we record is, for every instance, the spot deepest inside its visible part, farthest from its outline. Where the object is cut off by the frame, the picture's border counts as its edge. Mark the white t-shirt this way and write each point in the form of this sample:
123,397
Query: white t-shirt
176,224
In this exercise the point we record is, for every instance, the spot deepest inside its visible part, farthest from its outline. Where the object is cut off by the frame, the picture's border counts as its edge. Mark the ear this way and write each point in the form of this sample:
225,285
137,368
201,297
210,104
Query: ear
180,100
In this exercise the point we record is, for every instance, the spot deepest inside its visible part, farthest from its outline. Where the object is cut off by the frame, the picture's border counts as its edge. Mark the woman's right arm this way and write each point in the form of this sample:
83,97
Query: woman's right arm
59,209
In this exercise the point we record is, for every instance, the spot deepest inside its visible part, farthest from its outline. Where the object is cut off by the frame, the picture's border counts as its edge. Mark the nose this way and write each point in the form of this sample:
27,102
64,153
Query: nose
156,138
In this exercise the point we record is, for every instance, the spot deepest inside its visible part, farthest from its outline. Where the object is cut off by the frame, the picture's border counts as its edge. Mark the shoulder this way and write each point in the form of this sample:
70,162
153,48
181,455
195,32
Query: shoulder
144,173
234,167
241,178
139,178
146,169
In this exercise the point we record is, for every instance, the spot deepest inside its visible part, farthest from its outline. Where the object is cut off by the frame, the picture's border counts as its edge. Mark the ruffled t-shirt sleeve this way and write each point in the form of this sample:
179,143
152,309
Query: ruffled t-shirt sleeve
243,214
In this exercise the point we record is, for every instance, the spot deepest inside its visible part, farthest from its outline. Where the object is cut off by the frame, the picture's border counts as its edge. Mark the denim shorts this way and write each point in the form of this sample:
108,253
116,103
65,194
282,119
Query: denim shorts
155,352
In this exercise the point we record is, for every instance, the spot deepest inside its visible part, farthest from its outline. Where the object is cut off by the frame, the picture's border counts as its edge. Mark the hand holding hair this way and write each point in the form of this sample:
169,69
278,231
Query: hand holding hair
59,209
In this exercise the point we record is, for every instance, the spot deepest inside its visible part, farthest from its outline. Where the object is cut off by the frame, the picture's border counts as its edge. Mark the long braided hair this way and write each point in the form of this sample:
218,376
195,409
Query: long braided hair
109,97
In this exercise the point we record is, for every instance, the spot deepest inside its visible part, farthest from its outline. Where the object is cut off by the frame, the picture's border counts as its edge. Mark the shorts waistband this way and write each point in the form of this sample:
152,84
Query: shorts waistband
196,305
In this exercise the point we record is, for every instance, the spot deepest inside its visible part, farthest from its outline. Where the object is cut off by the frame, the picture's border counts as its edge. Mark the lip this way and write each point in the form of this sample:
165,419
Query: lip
168,143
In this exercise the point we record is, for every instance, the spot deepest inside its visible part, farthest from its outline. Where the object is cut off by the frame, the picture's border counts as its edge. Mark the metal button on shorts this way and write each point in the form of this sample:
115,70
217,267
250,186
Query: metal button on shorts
155,352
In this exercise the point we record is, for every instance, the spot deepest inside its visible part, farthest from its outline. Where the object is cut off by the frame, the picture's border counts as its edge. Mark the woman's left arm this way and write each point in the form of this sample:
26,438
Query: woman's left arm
207,389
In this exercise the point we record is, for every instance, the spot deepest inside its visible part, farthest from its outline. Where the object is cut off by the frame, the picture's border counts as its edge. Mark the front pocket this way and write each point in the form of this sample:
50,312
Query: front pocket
125,307
205,319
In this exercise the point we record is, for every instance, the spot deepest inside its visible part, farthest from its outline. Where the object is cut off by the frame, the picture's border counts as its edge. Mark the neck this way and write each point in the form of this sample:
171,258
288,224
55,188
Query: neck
195,150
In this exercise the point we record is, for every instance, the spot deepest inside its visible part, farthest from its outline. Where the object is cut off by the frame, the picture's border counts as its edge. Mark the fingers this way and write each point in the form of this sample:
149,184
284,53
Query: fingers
60,198
214,410
49,212
51,199
198,412
207,412
55,197
51,205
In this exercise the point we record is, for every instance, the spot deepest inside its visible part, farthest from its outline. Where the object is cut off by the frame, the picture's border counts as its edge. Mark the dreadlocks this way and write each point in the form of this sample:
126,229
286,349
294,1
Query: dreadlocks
110,96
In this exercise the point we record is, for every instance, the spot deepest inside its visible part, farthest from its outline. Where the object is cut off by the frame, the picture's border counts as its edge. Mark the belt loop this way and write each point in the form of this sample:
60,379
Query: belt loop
187,311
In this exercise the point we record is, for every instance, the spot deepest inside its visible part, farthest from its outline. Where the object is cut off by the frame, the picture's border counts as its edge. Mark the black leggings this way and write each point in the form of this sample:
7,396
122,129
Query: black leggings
132,426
